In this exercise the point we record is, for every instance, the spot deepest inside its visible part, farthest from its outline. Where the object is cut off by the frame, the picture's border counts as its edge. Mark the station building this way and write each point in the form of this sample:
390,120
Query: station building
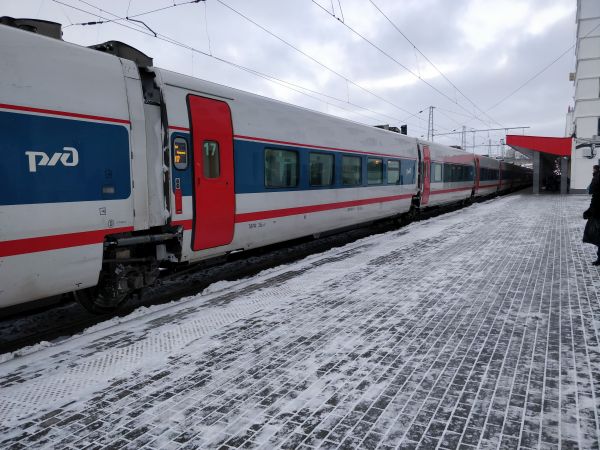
583,120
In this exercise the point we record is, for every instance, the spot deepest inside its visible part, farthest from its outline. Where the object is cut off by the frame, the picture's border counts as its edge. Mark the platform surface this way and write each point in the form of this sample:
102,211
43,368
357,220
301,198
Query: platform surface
475,329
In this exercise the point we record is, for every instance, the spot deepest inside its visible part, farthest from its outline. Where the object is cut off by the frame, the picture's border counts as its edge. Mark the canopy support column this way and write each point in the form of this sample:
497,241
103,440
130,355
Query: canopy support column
536,172
564,174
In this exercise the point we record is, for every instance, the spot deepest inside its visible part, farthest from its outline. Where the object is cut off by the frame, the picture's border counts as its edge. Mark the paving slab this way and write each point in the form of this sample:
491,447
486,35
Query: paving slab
475,329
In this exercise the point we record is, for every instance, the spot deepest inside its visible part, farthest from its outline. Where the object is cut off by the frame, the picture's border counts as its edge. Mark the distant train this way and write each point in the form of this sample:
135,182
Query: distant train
112,168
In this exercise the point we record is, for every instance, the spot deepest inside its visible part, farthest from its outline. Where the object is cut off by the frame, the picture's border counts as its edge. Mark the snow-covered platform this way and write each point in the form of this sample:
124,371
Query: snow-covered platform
478,328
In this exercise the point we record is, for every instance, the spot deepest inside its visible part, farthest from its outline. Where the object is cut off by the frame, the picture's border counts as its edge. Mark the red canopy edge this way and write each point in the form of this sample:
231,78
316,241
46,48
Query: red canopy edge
560,146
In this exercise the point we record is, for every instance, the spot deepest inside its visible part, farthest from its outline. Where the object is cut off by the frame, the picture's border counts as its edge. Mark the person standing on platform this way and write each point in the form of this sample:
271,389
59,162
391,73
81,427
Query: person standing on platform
591,234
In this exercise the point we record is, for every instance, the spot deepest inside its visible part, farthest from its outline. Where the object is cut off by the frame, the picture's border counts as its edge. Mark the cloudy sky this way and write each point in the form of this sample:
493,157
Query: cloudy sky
372,61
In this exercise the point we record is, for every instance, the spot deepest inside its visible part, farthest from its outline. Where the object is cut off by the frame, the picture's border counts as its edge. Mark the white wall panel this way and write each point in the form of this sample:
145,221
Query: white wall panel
587,127
588,28
589,48
588,88
589,8
581,170
588,68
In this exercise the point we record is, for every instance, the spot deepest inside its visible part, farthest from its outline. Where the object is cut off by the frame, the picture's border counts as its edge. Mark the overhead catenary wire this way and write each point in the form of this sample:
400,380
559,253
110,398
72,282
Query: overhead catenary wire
119,18
449,111
345,78
341,10
432,64
537,74
484,130
443,94
206,27
128,17
348,80
449,118
267,77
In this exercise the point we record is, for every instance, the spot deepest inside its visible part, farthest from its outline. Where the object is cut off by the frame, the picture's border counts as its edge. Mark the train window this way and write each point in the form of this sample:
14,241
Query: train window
351,170
408,172
393,172
210,159
281,168
374,171
321,169
436,172
180,153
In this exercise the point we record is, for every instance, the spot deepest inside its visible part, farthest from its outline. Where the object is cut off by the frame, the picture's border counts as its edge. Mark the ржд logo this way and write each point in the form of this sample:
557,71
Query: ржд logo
69,158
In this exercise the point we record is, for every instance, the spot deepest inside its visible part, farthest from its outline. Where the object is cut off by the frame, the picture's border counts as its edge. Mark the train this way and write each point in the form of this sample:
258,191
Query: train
114,170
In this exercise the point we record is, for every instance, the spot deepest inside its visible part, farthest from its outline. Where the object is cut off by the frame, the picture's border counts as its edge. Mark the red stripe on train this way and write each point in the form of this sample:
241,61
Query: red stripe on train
298,144
45,243
262,215
63,113
446,191
286,212
173,127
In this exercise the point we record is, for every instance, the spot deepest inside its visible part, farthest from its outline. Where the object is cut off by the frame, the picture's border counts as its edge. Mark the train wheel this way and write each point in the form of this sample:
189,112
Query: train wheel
115,284
98,301
412,215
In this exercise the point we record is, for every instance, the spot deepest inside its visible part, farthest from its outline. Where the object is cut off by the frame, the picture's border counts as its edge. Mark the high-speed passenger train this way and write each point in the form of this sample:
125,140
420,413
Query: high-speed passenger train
112,168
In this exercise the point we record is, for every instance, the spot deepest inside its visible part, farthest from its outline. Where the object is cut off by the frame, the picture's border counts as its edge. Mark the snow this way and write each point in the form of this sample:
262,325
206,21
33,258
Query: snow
478,327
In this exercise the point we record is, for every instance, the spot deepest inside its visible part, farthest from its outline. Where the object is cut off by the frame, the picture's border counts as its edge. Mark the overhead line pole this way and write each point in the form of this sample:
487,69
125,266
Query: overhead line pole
430,131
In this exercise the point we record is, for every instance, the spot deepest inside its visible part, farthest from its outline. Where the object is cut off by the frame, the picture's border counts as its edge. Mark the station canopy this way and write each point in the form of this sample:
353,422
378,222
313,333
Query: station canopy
526,145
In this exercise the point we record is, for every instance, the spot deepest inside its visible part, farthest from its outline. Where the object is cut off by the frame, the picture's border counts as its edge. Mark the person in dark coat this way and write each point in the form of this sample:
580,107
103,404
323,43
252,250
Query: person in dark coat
591,234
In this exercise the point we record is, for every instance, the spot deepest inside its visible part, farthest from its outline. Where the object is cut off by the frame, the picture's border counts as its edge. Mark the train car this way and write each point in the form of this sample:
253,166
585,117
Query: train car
451,175
65,180
488,176
284,172
114,169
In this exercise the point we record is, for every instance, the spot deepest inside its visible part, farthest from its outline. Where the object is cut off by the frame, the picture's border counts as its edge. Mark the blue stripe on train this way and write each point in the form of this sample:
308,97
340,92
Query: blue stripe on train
249,167
102,171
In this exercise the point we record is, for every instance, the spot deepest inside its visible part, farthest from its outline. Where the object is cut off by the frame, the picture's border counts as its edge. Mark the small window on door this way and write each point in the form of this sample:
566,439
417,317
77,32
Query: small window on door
180,153
210,159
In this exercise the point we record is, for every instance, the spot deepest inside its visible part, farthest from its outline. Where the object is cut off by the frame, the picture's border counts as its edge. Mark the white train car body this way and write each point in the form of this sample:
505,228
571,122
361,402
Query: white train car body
292,168
65,178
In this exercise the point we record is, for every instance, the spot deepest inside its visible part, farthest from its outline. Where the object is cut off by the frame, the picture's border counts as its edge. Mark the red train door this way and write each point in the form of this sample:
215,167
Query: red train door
214,196
426,175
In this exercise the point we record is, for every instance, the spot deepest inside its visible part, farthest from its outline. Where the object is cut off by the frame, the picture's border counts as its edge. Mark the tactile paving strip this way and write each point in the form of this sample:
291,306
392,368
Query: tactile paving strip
97,370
